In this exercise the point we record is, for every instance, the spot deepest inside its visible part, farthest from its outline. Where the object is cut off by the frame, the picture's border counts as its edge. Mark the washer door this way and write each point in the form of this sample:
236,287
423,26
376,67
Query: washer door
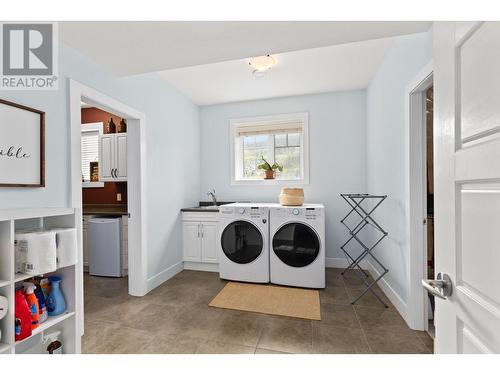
242,242
296,244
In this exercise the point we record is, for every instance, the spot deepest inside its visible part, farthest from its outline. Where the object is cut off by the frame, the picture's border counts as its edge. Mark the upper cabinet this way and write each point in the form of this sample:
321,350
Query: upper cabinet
113,157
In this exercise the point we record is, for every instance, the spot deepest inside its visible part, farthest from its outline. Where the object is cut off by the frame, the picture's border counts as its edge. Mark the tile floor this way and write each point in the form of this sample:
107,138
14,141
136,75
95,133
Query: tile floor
175,318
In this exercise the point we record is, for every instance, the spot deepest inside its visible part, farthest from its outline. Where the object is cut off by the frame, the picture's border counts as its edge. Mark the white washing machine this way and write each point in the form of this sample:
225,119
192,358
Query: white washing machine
244,242
297,241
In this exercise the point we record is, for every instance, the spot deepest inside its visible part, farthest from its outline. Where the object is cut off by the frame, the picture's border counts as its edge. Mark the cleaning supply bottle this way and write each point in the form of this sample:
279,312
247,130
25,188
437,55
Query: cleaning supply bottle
29,294
22,316
41,303
52,344
45,285
56,304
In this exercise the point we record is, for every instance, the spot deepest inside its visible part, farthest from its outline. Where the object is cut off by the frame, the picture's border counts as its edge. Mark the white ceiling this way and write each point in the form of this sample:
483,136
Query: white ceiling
335,68
127,48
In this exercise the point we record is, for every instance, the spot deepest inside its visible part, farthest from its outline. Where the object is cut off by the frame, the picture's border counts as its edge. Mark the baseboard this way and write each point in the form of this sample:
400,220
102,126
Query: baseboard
198,266
86,269
341,263
393,296
163,276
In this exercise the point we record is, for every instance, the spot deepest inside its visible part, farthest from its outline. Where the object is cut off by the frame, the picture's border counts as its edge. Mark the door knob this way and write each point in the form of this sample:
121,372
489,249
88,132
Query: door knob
441,287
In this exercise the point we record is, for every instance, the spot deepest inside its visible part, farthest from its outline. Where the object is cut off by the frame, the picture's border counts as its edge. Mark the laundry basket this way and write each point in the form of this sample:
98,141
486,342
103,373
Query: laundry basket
292,197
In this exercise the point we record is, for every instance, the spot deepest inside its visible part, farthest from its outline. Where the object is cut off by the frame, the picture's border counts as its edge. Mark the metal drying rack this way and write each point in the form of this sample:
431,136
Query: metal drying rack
355,201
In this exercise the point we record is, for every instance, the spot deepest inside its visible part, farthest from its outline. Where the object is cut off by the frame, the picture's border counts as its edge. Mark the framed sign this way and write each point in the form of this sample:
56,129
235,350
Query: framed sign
22,145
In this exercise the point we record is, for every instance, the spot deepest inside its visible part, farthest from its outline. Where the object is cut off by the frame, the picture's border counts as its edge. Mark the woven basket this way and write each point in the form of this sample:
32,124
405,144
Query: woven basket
292,197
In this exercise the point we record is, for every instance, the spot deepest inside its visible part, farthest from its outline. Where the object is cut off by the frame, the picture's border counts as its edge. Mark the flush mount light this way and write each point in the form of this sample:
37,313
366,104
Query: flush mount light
261,64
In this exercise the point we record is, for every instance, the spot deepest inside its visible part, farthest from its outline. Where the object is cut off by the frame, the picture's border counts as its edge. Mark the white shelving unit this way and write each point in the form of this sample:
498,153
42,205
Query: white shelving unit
10,221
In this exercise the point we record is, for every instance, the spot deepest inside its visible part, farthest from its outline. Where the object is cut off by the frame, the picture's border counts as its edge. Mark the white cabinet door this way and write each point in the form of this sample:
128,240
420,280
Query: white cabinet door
209,242
191,241
121,157
106,157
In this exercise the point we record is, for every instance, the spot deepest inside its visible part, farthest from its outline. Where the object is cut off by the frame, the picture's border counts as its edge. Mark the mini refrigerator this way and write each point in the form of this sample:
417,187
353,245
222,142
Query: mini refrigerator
105,247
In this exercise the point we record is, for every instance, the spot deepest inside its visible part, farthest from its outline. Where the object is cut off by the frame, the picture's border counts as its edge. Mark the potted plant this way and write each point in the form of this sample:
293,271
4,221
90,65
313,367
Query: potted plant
269,169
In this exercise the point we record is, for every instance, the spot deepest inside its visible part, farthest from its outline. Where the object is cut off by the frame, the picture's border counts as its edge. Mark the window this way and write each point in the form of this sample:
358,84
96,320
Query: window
282,139
90,151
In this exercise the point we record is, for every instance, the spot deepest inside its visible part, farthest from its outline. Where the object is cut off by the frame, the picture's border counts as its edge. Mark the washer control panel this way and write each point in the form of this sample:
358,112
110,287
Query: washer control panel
308,213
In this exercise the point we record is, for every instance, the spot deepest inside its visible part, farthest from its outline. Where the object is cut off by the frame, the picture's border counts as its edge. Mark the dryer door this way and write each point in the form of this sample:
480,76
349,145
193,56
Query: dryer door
242,242
296,244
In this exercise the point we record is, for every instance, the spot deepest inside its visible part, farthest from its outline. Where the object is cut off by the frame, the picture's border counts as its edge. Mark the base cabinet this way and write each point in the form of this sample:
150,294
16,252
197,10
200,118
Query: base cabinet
199,237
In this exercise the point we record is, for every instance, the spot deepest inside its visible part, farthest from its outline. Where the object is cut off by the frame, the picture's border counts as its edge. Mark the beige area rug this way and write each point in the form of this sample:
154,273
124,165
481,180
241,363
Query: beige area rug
269,299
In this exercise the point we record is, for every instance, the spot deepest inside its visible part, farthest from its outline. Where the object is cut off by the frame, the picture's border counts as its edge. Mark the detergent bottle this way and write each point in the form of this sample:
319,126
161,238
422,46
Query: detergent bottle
41,303
29,294
56,303
45,285
22,316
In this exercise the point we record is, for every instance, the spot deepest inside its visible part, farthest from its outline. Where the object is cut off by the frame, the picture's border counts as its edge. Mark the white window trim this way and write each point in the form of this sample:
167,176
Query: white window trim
92,127
235,123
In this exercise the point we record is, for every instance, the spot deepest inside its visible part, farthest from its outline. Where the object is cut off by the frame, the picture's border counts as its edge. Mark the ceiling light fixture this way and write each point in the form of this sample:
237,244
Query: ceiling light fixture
261,64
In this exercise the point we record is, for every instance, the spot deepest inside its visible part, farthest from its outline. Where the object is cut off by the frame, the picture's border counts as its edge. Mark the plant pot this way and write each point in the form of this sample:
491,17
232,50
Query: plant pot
269,174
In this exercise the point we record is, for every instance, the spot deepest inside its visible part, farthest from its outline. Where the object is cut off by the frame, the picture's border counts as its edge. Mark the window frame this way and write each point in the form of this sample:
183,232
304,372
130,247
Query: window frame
92,127
235,124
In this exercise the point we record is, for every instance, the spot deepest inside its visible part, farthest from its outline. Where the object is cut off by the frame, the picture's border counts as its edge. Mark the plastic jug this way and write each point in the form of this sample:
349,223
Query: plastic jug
29,294
56,304
22,316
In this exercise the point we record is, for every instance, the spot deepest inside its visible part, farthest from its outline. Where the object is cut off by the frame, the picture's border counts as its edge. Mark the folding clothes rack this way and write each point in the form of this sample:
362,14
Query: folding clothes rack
355,201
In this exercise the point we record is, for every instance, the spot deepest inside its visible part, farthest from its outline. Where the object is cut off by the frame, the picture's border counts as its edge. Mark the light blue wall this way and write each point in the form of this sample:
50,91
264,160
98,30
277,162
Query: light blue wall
173,149
337,136
386,153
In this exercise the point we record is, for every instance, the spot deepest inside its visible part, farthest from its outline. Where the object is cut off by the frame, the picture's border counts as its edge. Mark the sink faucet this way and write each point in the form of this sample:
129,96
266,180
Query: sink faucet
212,194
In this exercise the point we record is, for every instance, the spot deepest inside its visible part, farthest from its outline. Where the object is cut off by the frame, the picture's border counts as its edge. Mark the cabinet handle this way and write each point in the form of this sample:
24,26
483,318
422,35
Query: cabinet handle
198,230
202,230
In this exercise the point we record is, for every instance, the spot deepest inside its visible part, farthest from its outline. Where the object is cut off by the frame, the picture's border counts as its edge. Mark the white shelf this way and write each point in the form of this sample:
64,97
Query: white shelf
51,321
69,322
19,276
22,276
27,213
4,347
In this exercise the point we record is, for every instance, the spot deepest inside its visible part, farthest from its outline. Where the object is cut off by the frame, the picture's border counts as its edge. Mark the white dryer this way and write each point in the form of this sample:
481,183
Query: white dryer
297,238
244,242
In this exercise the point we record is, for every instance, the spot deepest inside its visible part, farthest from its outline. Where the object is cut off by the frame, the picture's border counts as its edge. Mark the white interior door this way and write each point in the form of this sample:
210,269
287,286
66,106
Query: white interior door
467,185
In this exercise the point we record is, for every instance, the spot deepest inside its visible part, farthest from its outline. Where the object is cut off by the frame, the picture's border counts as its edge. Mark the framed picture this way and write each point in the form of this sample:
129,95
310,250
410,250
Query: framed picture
22,145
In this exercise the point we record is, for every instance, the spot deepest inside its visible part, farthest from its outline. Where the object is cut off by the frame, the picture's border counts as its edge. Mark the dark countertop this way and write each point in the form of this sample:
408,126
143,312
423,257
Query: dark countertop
202,207
105,209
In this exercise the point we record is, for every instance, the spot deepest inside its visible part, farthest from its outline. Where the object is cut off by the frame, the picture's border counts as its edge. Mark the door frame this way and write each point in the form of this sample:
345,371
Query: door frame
136,171
416,191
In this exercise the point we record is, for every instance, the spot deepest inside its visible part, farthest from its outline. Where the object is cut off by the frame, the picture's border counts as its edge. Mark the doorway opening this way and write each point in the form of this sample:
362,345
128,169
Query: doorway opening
420,193
429,201
104,140
134,155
